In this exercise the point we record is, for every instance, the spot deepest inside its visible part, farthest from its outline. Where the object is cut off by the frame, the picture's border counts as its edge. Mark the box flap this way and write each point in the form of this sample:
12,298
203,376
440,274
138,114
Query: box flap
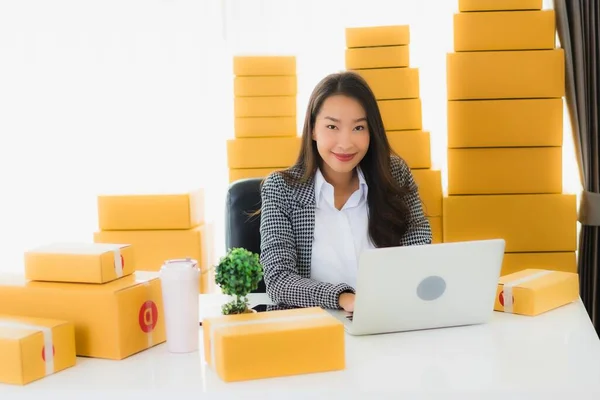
79,248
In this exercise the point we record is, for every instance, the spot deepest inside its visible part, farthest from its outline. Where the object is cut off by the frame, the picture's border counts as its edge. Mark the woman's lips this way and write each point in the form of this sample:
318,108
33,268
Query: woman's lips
344,157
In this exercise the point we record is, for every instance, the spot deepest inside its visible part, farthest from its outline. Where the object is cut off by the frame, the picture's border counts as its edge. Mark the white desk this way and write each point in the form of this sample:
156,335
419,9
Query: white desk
543,357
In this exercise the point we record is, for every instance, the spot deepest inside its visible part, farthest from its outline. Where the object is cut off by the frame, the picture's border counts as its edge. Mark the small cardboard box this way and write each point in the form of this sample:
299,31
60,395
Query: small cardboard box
249,86
392,83
33,348
512,74
377,57
264,65
401,115
514,170
151,211
534,291
112,320
375,36
504,30
273,344
251,127
414,146
498,5
271,106
79,262
276,152
505,123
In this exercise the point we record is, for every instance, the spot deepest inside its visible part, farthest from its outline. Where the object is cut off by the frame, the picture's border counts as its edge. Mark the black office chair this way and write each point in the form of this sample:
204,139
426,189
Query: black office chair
241,228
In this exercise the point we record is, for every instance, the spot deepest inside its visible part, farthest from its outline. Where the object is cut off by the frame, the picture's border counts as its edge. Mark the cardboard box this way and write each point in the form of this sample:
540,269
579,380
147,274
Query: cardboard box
377,57
265,86
272,106
498,5
265,127
505,74
151,211
429,182
555,261
153,248
413,146
373,36
504,30
505,123
264,65
516,170
535,291
33,348
392,83
237,174
112,321
400,115
265,345
436,229
79,262
262,152
527,222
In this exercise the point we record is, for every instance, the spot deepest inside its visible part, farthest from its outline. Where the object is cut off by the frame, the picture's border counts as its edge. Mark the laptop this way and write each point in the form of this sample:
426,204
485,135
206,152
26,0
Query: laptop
420,287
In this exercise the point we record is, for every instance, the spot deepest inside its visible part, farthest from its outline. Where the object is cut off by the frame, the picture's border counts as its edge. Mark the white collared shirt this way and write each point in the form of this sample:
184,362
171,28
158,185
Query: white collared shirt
340,235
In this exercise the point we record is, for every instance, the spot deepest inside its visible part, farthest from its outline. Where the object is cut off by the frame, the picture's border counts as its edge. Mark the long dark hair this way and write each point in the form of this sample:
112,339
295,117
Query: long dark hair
388,211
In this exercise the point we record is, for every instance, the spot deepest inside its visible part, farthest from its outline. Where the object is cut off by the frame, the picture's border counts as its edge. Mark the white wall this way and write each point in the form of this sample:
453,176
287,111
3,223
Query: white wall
135,96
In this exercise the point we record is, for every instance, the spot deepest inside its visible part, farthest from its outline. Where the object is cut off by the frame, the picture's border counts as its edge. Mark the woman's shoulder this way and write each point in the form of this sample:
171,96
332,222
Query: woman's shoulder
400,169
283,183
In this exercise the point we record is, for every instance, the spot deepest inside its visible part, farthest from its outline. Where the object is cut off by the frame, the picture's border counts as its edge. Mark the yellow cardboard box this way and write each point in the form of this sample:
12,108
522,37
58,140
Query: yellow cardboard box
33,348
265,86
272,106
413,146
237,173
429,182
264,65
262,152
265,345
437,233
374,36
113,320
527,222
400,115
498,5
151,211
504,30
153,247
555,261
265,127
476,75
377,57
535,291
79,262
392,83
505,123
505,170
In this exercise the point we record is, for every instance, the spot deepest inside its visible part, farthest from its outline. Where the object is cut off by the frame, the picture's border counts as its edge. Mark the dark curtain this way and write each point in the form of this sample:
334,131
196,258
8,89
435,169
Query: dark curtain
577,23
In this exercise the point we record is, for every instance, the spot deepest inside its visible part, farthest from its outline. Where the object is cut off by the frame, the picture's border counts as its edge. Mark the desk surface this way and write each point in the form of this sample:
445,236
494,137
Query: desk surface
558,352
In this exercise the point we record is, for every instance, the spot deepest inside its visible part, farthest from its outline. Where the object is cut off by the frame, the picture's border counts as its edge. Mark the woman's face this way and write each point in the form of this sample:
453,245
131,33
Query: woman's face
341,133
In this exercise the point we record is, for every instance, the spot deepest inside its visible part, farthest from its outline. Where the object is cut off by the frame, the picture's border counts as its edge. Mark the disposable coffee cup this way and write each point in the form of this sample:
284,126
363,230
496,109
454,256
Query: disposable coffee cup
179,280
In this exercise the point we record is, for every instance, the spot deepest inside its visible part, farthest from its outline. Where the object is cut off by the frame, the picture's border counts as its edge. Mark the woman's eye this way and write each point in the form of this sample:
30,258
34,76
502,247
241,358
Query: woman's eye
331,127
359,128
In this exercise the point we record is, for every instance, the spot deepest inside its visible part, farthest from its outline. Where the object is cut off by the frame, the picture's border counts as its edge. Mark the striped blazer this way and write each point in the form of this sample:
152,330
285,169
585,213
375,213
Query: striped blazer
287,225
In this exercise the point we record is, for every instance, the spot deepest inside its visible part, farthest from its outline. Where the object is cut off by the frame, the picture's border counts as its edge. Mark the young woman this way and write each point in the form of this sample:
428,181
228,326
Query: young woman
346,192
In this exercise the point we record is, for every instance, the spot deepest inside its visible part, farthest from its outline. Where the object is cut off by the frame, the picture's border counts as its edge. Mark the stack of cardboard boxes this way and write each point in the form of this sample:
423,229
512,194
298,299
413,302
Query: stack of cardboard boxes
380,54
265,129
160,227
505,83
79,299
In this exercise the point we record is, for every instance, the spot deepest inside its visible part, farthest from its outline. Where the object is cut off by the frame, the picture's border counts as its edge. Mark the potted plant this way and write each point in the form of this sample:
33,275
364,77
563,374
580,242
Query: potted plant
237,274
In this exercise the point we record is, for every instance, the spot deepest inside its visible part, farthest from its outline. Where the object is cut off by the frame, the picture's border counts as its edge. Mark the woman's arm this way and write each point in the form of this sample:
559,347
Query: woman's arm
279,258
419,230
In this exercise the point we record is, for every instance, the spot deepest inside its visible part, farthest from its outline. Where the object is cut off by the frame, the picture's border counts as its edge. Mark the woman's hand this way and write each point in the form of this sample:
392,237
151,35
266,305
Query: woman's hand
346,301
